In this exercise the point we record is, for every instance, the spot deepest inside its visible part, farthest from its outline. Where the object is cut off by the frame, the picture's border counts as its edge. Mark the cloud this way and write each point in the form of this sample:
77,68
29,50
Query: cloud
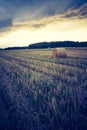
25,10
76,4
51,23
35,15
28,21
5,23
70,16
80,12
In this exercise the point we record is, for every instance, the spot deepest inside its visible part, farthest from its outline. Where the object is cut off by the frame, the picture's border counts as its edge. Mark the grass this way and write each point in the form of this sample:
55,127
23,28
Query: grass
41,93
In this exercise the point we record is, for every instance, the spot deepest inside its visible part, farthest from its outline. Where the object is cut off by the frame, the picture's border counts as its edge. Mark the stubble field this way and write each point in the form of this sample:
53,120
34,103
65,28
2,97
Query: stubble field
38,92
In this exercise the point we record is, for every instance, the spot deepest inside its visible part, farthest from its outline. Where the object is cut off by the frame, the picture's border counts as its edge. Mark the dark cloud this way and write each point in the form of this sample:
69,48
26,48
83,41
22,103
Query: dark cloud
75,4
80,12
5,23
23,10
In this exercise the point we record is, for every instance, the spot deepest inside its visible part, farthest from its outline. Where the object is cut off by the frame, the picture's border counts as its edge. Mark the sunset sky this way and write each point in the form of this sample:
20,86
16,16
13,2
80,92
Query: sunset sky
23,22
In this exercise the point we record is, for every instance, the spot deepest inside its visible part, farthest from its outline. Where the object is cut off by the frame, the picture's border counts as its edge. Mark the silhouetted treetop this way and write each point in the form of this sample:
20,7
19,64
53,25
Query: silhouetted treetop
57,44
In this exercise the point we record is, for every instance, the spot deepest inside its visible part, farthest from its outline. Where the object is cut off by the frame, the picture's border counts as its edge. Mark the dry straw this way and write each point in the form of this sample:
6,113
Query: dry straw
59,53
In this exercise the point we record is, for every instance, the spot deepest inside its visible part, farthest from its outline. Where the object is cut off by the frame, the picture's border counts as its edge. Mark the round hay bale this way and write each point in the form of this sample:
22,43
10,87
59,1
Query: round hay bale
59,53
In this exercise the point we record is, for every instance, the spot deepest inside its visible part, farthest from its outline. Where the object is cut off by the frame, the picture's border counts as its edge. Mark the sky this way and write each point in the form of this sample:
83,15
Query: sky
23,22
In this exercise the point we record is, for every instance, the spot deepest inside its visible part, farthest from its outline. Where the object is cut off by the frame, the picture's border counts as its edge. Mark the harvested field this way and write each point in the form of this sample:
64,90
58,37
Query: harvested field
38,92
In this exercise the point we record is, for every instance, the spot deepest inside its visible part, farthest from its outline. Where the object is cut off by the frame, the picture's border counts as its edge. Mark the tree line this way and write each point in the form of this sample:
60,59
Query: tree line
57,44
53,44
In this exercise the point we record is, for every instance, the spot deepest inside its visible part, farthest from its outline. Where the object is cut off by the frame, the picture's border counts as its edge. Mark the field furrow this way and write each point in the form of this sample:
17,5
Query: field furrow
38,92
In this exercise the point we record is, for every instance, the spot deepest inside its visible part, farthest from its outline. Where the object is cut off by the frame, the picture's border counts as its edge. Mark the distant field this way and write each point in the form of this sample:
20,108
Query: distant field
77,52
38,92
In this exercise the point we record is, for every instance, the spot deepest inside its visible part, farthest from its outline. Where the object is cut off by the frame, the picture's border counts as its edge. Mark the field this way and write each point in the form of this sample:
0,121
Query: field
38,92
